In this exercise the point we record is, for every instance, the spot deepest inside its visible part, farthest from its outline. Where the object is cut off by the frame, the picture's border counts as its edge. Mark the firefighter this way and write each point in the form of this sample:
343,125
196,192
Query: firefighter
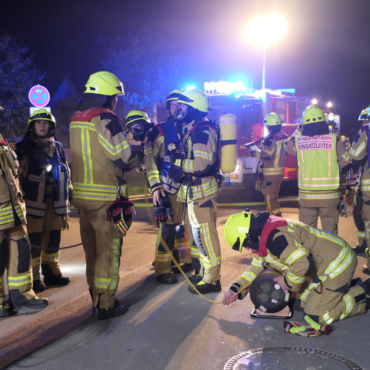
271,168
197,166
359,153
15,255
322,160
44,177
293,249
159,141
100,154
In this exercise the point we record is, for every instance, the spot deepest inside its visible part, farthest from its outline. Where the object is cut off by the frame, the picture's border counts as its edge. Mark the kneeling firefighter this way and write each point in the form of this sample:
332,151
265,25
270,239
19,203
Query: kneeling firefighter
159,141
293,248
15,255
100,155
272,156
196,167
44,176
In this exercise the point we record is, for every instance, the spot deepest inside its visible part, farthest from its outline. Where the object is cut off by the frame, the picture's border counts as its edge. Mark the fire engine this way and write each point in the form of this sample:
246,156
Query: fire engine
250,108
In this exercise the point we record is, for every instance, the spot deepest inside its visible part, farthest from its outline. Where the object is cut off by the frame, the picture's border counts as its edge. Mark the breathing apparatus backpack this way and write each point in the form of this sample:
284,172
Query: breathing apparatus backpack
227,144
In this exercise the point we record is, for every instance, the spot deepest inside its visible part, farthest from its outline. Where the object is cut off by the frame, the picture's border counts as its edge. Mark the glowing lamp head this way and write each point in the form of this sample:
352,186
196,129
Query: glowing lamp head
314,101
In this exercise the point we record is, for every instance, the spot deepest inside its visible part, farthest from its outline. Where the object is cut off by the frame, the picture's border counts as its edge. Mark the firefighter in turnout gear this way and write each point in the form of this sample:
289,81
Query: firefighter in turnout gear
272,156
322,160
15,255
196,166
293,249
159,141
359,153
44,177
100,154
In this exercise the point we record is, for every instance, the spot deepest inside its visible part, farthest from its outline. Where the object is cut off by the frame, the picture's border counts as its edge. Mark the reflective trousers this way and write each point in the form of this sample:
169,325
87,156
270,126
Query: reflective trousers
271,193
329,217
334,300
46,233
366,220
103,248
202,218
167,234
16,259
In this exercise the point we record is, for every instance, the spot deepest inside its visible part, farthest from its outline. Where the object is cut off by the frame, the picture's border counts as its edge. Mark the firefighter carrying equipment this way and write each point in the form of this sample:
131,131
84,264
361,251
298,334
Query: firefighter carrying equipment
272,119
164,211
312,114
364,114
266,294
120,213
104,83
312,330
228,140
42,115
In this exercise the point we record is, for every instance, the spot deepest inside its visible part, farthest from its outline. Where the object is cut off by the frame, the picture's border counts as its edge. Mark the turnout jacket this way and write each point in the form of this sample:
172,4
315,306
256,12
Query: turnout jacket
293,248
161,139
273,155
359,153
39,183
12,205
100,154
320,166
201,159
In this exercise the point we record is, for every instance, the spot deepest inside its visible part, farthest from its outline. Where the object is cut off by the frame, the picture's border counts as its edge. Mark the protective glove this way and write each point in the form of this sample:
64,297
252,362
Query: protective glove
175,172
120,213
164,211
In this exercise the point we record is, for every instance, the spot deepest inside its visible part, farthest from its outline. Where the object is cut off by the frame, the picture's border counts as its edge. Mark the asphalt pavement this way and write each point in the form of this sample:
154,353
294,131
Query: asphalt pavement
166,327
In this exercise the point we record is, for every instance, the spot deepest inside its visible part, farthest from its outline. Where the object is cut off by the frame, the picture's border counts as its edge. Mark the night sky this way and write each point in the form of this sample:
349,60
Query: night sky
324,54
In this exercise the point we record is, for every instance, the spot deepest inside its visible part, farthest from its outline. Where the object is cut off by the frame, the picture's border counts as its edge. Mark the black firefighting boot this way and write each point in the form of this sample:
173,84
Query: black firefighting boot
38,286
53,280
109,313
205,288
30,307
360,249
167,278
196,278
4,312
186,267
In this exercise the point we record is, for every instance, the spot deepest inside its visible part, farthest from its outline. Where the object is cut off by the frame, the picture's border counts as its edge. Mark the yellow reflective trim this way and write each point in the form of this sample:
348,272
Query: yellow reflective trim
249,276
294,278
357,152
295,255
201,154
114,150
83,125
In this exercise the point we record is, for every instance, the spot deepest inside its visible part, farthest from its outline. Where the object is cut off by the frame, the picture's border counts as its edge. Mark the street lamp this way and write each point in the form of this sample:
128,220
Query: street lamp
329,104
314,101
266,30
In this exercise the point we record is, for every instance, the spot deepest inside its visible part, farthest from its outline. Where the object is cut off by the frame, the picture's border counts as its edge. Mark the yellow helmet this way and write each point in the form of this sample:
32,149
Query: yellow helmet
236,229
42,115
312,114
363,114
272,119
197,99
104,83
173,95
136,115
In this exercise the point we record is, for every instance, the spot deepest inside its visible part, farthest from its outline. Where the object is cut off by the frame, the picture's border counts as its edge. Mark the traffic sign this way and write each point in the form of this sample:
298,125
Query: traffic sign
34,109
39,96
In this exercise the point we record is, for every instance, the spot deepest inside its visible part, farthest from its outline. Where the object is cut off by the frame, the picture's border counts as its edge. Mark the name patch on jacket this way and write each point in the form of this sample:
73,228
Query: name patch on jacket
321,142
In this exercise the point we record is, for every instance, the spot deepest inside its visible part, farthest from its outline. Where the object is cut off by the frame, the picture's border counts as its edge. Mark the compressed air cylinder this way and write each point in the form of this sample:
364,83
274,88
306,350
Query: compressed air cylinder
229,149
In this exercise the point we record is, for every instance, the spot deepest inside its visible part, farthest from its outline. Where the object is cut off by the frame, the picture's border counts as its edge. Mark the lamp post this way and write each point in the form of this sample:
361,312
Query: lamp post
266,30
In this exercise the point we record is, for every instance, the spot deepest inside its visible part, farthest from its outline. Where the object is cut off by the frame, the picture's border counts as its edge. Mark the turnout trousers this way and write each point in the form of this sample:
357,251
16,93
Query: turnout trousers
366,221
46,233
333,299
16,259
357,217
271,193
202,215
329,217
103,247
167,234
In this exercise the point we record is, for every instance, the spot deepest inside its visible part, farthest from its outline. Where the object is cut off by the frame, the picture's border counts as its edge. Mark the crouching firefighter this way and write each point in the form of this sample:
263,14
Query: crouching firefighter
44,177
272,156
100,155
293,248
15,255
158,142
197,167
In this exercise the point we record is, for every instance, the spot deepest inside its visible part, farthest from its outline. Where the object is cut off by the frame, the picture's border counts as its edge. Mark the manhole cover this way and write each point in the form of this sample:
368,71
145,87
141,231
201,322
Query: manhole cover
289,358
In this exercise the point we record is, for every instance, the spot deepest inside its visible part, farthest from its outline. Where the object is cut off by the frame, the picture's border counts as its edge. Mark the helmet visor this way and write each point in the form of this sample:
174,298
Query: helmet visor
41,116
181,112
